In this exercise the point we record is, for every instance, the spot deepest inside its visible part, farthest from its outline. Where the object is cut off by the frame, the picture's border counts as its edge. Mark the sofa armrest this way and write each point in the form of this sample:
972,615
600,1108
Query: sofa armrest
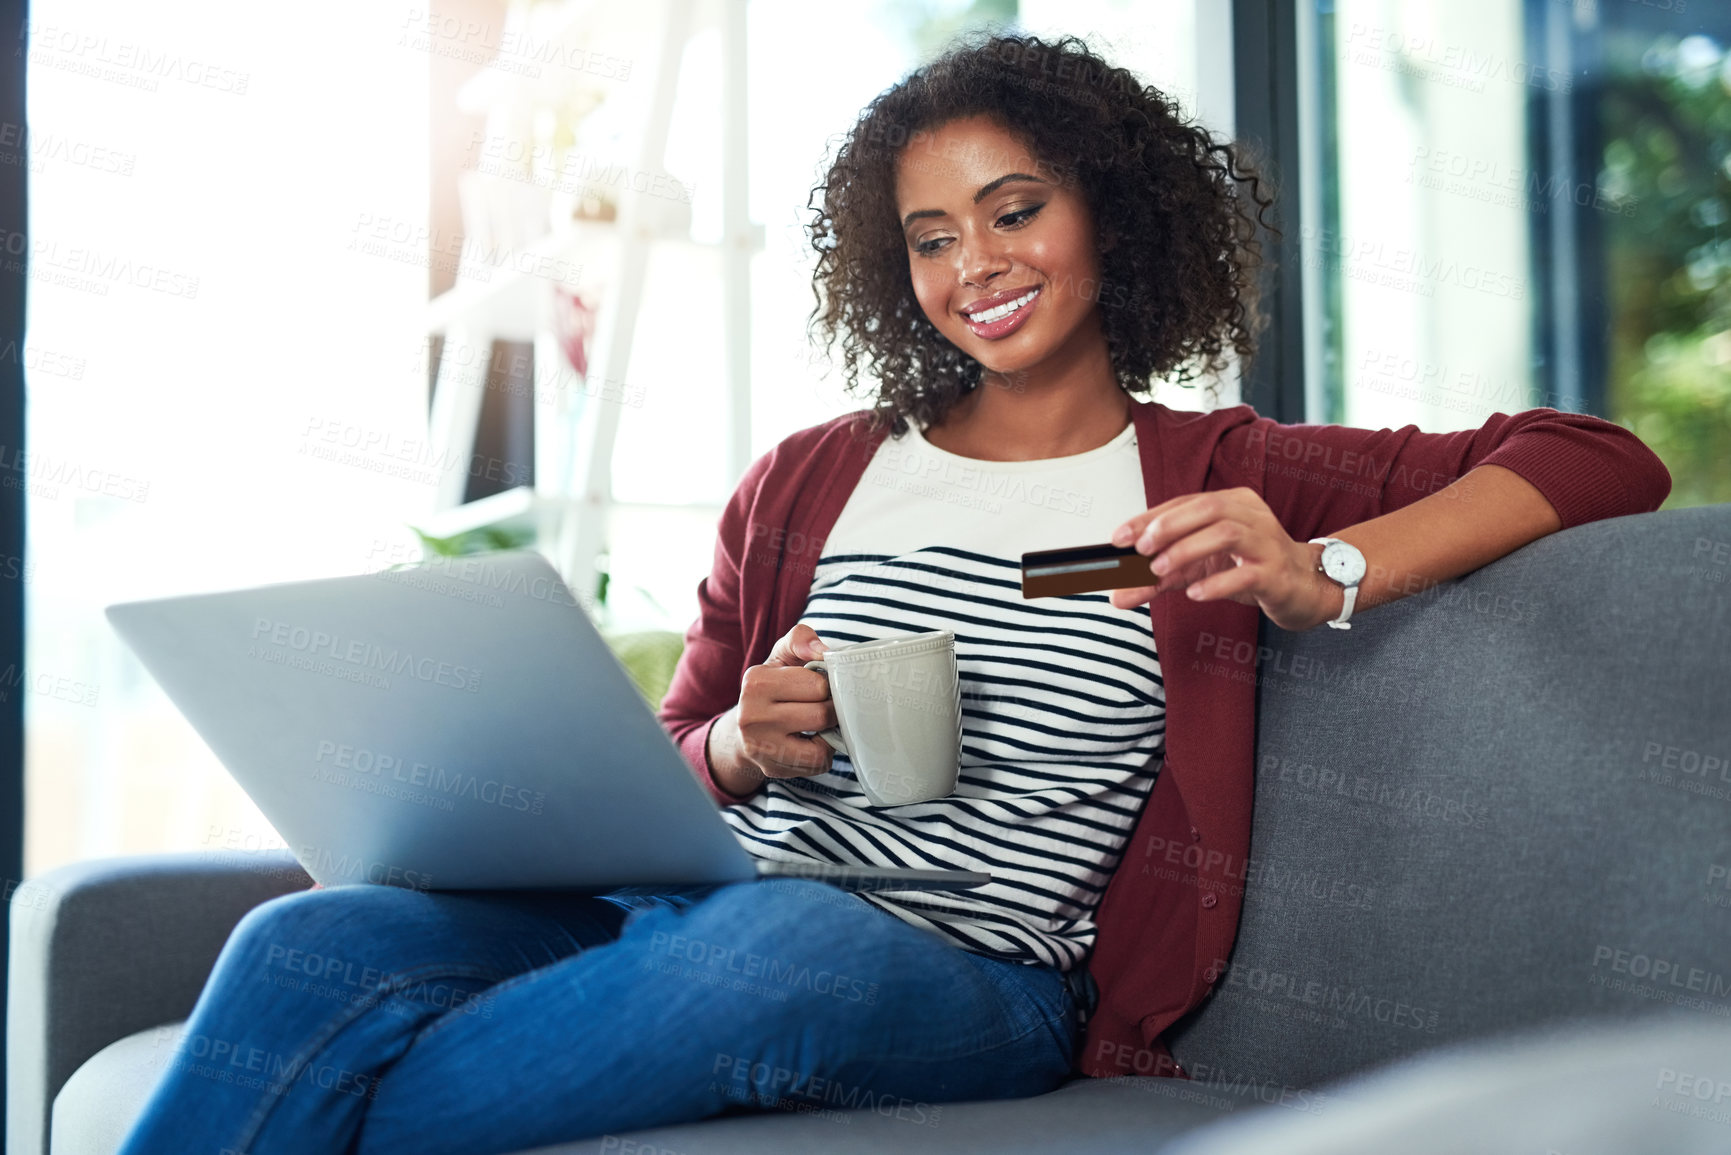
103,949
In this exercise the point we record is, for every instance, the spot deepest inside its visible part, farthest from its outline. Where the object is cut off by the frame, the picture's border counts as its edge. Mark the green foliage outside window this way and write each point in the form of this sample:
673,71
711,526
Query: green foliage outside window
1667,122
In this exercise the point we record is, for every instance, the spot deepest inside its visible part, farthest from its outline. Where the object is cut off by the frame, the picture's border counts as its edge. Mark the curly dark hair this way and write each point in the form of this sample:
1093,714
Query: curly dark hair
1180,256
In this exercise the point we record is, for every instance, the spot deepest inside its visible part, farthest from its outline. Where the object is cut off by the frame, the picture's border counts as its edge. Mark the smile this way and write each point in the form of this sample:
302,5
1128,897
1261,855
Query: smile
1002,320
987,316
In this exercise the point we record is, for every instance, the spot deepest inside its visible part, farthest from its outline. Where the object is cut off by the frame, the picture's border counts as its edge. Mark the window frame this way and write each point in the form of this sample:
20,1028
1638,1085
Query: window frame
1267,97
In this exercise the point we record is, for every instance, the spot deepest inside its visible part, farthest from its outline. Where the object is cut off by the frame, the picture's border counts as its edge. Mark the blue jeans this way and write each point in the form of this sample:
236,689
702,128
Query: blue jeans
380,1021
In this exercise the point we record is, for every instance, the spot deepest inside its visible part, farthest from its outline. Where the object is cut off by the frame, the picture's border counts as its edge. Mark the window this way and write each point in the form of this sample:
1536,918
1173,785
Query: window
208,350
1523,203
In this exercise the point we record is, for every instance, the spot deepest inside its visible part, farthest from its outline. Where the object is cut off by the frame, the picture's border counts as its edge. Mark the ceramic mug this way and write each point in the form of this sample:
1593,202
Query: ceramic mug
898,708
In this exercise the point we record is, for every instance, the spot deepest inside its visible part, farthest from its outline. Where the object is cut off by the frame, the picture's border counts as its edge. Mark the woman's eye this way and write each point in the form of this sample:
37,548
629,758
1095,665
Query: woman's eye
1011,220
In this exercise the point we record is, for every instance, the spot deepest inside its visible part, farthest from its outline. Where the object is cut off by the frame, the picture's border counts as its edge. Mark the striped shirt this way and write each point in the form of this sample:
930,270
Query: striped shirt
1063,706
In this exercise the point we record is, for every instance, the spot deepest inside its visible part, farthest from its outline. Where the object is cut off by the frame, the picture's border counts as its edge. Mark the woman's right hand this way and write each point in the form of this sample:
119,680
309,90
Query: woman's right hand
759,738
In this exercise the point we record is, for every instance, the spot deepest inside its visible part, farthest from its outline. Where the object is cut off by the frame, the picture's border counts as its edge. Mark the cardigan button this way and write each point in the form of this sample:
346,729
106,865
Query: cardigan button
1210,975
1195,835
1209,900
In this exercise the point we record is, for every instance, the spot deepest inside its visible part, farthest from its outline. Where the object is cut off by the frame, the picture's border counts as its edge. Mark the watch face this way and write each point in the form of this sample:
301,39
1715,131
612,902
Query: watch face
1342,562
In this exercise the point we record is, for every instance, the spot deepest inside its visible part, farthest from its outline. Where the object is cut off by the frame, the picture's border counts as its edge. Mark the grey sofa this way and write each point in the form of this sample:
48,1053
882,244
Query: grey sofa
1492,832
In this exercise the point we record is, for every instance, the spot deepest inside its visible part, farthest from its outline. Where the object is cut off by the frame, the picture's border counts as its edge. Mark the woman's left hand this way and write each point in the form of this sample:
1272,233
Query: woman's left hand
1227,543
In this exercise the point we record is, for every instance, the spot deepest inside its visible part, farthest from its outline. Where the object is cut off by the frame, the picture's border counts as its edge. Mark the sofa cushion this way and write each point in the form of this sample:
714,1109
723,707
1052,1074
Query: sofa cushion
98,1104
1503,801
102,1098
103,948
1118,1116
1660,1087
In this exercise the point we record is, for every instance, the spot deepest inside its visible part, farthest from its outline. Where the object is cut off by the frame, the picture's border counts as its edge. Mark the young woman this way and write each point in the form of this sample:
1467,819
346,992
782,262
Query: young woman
1014,242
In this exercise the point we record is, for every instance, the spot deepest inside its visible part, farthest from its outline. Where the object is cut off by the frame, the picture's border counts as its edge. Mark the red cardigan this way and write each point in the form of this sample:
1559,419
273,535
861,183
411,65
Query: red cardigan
1161,944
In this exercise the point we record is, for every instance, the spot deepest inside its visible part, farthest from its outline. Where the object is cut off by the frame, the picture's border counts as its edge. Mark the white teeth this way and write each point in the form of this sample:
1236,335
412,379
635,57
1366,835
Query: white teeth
1001,311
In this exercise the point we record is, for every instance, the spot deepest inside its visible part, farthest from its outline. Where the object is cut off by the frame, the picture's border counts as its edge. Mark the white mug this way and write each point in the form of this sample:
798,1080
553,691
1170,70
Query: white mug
898,708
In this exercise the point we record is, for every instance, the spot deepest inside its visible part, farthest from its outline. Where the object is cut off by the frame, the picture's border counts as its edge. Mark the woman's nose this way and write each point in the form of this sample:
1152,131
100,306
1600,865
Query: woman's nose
981,262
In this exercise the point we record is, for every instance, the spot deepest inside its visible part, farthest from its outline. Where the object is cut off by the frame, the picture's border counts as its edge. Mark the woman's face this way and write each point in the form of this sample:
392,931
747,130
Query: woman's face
1001,250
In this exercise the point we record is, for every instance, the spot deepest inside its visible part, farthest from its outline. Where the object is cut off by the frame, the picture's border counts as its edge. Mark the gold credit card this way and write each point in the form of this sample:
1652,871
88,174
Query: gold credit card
1051,573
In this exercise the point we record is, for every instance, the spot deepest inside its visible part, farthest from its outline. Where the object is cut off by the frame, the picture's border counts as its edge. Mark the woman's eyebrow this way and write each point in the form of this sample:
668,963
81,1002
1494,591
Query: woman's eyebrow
986,190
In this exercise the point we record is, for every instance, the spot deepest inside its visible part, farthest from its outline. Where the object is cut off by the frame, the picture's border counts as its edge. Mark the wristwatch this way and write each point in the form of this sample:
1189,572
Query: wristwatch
1342,563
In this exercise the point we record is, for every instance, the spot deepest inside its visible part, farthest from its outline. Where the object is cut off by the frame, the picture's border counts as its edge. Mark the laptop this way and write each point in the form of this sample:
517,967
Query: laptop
456,725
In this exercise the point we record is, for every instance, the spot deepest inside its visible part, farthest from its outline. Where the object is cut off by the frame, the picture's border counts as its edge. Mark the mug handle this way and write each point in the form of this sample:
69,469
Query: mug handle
833,734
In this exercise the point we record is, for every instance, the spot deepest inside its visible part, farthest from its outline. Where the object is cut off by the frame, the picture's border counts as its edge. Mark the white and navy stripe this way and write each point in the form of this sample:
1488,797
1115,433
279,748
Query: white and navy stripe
1063,716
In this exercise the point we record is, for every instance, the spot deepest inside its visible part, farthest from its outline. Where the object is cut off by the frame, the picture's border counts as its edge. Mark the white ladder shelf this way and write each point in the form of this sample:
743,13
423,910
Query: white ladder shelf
576,429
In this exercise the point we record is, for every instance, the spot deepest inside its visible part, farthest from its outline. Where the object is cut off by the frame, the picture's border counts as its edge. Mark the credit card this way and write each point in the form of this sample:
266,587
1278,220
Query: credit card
1051,573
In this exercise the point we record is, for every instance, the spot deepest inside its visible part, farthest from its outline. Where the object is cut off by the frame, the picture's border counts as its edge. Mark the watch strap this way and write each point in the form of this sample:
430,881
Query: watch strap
1350,592
1341,622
